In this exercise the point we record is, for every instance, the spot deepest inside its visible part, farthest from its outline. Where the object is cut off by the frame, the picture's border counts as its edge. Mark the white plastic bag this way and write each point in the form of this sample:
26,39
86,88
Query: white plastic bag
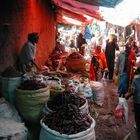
8,111
84,90
98,95
122,109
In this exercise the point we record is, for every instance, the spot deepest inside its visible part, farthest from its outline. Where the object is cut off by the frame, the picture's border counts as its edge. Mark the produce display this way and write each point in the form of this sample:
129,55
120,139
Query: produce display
75,55
10,72
68,120
66,98
32,85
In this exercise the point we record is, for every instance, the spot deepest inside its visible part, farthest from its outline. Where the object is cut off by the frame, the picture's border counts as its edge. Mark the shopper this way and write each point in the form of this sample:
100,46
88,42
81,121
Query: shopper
111,47
98,64
124,67
102,60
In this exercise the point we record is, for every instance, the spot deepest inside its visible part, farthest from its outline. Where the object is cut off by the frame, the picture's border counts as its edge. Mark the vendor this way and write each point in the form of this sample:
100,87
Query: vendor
26,61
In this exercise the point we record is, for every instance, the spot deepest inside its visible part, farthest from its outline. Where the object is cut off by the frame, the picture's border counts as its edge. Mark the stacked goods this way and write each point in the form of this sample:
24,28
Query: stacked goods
67,123
10,78
75,62
31,96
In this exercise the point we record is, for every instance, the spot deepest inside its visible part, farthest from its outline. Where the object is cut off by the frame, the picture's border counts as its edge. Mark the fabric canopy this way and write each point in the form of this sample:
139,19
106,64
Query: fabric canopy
117,12
75,10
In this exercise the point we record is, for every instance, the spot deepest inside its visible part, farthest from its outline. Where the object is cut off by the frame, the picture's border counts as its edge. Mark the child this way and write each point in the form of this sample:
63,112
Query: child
136,97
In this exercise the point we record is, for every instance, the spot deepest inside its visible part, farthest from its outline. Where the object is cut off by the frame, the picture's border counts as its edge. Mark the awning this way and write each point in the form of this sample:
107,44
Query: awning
75,10
117,12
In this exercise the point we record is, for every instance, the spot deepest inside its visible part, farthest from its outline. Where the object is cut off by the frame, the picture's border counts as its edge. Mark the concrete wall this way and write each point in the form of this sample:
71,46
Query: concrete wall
17,19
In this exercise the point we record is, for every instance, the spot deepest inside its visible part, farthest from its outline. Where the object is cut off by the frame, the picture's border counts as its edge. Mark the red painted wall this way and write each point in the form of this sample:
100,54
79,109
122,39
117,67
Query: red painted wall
17,19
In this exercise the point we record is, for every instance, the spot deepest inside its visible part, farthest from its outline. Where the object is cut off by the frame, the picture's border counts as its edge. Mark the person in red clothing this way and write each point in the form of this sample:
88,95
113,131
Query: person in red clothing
98,64
131,61
102,59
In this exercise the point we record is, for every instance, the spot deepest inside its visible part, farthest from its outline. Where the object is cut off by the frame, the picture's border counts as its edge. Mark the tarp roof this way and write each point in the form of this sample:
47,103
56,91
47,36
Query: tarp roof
118,12
75,10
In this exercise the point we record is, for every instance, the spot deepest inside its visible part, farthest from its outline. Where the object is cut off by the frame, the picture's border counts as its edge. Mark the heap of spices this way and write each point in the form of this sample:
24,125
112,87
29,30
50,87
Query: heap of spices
68,120
65,98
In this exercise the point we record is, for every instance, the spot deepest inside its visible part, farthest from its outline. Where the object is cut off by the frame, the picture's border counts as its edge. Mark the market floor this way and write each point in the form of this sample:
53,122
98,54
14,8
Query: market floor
107,127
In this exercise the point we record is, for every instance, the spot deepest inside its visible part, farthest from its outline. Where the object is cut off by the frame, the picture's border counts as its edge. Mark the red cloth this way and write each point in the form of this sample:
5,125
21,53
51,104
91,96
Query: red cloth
131,59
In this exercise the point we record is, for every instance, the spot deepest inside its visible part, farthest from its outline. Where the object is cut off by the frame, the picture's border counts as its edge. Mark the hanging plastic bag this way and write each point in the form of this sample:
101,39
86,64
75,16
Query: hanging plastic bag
121,111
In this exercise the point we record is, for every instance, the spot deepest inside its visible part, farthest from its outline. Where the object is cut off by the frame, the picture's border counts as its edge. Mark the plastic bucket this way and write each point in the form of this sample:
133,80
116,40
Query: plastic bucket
8,86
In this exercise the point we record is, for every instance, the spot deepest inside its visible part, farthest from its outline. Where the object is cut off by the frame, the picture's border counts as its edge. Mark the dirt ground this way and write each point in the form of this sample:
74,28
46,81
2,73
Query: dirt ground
107,127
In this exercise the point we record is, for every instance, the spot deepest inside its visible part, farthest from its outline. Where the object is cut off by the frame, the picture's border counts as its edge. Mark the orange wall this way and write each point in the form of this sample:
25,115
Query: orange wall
22,17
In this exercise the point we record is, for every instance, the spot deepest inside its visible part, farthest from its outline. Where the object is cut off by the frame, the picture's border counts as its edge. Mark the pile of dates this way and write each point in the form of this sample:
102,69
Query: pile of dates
68,120
75,55
65,98
32,84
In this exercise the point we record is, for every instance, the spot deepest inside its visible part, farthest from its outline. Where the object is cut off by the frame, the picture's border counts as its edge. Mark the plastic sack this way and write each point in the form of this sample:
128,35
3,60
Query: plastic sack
84,90
98,92
30,103
121,110
49,134
8,111
12,130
